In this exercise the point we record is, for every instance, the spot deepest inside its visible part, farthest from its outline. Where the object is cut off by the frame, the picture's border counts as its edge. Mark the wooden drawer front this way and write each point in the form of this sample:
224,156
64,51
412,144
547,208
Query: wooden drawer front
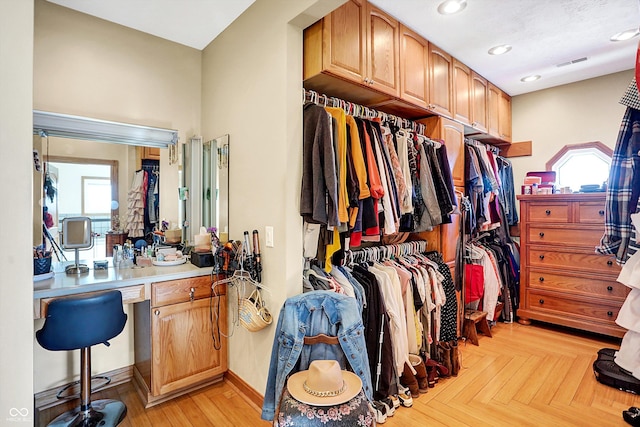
592,310
590,213
565,236
578,285
578,261
549,212
174,291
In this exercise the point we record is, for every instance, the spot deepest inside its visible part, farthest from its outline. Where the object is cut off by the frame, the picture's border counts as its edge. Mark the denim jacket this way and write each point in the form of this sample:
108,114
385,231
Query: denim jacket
309,314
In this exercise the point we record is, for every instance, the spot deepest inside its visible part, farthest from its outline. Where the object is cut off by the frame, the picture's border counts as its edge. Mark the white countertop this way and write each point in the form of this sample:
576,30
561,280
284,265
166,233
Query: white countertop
62,284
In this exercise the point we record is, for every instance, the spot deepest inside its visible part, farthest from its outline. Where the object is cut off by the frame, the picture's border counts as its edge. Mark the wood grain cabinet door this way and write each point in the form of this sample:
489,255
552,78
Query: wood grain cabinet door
478,102
440,85
182,345
504,114
414,67
493,110
461,92
383,51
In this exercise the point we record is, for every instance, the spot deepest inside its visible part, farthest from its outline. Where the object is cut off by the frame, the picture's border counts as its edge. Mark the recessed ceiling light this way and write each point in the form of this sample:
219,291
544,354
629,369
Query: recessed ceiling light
499,50
530,78
625,35
449,7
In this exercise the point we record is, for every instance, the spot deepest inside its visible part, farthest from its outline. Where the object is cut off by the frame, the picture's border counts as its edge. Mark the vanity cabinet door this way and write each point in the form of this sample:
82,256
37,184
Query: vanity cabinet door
182,345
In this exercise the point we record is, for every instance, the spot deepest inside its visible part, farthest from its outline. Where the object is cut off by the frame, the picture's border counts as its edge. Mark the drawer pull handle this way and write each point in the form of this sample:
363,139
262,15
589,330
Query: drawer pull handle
609,288
541,257
157,312
541,301
541,279
609,263
601,213
192,293
541,234
609,313
548,212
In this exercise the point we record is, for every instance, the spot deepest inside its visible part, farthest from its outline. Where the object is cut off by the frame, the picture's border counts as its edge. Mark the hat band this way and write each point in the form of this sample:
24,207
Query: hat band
325,393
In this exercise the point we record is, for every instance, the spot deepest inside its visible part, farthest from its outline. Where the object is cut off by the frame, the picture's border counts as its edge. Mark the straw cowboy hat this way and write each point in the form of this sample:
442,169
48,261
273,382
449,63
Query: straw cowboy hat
324,384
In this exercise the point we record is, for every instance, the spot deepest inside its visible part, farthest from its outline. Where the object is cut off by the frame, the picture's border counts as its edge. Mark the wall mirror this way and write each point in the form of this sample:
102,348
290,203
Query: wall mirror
206,177
78,142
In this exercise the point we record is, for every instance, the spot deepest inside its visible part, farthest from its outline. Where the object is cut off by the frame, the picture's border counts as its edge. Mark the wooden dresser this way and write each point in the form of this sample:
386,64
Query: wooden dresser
562,279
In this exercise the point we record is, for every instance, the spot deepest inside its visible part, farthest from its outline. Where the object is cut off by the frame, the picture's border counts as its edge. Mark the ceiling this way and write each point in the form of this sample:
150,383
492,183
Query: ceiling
543,33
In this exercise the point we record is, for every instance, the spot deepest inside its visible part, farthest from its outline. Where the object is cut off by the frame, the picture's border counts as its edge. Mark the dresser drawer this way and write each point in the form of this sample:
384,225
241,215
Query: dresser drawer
549,212
567,236
567,261
588,286
590,213
182,290
596,310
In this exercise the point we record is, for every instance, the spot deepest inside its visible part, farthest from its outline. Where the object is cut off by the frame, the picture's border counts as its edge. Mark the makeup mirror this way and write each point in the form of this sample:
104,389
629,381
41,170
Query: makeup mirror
76,235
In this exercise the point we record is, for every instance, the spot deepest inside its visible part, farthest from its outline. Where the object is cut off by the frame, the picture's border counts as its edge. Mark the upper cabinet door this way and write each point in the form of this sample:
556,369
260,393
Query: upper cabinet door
461,92
414,67
504,117
478,102
440,85
344,47
383,51
493,110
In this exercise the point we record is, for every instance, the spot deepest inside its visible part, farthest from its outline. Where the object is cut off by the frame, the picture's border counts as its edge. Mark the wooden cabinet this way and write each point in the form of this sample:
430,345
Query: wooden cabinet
504,117
174,348
478,95
493,110
461,92
112,239
562,280
414,67
383,51
452,133
440,81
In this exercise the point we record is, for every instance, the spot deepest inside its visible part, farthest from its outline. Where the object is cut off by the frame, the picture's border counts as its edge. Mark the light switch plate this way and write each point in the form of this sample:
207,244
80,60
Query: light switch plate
268,231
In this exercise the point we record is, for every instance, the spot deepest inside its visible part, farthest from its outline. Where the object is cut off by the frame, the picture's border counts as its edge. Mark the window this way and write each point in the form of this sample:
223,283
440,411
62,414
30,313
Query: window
581,164
96,196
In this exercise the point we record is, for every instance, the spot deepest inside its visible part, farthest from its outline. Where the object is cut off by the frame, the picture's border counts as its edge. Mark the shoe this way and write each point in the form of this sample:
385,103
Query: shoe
455,358
409,380
445,357
395,400
388,403
404,396
421,372
632,416
380,412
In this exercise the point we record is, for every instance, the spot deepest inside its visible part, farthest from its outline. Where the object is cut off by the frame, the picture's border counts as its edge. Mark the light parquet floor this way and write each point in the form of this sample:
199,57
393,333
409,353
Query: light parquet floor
523,376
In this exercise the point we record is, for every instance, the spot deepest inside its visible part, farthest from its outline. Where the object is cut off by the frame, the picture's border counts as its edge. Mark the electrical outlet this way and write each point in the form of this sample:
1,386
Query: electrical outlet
268,231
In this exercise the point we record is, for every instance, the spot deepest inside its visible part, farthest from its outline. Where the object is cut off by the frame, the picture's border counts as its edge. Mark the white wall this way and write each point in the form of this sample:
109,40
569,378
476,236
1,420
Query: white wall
252,90
580,112
16,267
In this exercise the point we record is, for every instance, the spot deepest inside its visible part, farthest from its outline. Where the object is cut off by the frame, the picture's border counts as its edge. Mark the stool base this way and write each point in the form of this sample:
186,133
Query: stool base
104,413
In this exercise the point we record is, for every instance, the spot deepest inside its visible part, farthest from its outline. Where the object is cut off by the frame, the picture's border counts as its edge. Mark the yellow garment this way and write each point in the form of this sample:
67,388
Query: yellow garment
358,159
341,157
331,249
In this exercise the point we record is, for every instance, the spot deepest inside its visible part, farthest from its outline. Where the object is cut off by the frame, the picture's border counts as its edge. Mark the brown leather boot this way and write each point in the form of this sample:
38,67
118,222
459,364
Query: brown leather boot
445,355
421,372
409,380
455,358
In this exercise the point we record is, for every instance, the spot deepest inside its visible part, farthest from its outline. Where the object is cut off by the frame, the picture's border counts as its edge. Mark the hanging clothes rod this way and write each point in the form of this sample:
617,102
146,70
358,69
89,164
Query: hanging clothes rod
380,253
361,111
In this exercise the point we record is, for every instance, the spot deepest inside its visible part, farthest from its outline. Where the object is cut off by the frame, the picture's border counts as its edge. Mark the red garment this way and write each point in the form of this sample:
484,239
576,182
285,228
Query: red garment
473,282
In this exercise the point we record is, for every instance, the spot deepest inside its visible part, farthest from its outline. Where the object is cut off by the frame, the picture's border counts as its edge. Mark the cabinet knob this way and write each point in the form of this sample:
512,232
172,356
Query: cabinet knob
192,293
609,288
366,80
541,234
548,211
541,257
601,213
609,263
609,313
541,301
541,279
157,312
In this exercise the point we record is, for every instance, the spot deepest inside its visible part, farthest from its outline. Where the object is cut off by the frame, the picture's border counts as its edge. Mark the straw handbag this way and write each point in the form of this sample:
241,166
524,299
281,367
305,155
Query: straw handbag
253,314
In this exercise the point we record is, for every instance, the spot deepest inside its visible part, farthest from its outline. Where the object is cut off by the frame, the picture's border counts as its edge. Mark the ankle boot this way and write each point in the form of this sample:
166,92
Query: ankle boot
445,355
407,379
432,374
455,358
421,372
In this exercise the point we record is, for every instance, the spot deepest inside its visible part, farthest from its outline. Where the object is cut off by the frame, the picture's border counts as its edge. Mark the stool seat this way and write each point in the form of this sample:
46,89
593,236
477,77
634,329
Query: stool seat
475,320
78,323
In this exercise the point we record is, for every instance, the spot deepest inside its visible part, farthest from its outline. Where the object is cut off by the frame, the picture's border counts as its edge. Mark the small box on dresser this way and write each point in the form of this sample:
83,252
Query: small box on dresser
563,280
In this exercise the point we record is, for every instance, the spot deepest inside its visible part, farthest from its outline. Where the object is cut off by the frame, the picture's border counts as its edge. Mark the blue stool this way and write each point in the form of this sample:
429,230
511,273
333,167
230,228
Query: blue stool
80,322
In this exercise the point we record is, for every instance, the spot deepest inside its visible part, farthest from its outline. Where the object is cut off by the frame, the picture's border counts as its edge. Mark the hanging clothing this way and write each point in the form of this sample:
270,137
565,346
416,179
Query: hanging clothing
136,199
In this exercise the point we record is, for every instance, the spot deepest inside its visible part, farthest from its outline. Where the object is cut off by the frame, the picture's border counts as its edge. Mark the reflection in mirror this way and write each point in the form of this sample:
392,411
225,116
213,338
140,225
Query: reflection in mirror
206,176
76,234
